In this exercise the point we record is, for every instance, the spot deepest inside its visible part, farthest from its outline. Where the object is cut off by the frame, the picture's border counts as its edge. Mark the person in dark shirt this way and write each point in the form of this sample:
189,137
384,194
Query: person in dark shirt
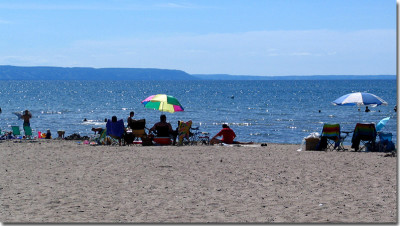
162,128
130,119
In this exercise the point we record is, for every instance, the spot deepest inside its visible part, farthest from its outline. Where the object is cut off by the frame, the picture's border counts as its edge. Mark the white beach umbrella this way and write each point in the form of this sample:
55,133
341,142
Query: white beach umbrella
360,99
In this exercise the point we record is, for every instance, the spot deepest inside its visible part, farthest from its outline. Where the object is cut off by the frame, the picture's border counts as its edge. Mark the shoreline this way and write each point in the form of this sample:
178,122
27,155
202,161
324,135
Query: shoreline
65,182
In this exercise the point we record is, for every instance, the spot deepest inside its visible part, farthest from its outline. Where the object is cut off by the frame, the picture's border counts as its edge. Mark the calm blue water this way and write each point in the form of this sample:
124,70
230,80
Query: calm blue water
261,111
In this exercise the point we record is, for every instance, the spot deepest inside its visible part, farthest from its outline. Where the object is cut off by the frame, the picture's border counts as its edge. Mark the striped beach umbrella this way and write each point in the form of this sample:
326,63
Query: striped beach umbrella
360,99
162,102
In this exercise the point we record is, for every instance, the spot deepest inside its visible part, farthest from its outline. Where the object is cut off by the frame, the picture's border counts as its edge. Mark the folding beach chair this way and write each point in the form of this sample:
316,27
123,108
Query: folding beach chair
2,135
198,137
28,132
138,128
100,138
16,131
183,131
366,134
330,137
115,131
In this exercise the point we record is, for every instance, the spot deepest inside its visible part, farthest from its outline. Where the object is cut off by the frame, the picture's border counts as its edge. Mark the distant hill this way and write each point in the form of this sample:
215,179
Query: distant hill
86,73
294,77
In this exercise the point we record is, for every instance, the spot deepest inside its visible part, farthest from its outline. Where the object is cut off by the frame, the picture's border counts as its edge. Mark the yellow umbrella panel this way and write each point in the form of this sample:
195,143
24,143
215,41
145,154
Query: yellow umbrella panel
162,102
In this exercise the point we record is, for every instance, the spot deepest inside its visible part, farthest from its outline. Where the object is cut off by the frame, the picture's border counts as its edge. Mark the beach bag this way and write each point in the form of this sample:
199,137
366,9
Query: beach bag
313,144
390,146
310,142
129,138
147,141
386,146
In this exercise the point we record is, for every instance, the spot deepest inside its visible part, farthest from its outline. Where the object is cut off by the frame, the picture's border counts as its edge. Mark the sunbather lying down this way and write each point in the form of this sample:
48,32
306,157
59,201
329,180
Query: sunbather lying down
228,136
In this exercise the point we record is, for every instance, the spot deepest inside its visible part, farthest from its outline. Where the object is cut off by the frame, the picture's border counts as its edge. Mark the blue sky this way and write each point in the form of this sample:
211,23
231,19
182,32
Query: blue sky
239,37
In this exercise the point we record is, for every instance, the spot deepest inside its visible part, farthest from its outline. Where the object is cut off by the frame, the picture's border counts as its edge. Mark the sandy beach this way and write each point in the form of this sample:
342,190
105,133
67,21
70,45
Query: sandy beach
58,181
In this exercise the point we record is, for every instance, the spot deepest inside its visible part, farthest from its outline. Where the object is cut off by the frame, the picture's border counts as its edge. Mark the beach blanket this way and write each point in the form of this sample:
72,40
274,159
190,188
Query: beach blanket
115,129
183,131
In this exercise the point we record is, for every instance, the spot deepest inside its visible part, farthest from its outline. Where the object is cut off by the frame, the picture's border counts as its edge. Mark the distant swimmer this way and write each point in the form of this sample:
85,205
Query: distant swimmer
232,97
85,120
367,109
395,108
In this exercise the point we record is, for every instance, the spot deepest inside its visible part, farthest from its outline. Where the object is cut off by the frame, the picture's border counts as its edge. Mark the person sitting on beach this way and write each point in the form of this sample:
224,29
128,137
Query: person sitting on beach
26,117
130,119
115,128
228,136
48,134
162,128
99,130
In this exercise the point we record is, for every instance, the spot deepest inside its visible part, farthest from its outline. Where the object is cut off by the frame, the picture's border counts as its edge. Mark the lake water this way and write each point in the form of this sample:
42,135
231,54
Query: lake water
259,111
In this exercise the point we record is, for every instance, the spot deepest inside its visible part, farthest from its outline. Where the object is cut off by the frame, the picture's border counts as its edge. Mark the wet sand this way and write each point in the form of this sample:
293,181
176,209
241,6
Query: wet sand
56,181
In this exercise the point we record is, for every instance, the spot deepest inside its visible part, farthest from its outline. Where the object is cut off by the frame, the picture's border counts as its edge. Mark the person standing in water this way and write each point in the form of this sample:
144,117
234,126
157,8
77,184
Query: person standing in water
26,117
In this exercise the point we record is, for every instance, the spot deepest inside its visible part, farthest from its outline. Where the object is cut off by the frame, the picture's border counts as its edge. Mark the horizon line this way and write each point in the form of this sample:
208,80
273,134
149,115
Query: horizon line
202,74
